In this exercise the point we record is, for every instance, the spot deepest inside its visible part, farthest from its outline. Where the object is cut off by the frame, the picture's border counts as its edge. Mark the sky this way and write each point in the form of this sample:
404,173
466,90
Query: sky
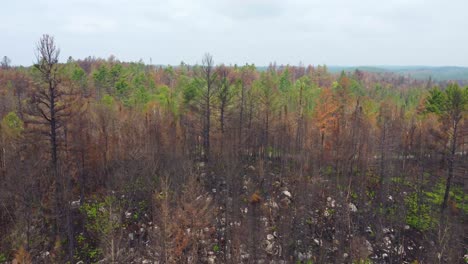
332,32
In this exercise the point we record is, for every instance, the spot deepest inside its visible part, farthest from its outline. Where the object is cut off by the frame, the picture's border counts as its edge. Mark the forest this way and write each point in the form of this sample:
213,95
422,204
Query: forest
106,161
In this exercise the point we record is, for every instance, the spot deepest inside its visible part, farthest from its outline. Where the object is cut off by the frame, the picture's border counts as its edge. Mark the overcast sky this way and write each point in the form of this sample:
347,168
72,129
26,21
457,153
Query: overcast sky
332,32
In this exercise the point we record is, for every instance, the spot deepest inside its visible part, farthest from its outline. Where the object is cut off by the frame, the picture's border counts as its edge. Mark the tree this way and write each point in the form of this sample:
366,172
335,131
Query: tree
5,64
451,106
49,111
209,77
224,93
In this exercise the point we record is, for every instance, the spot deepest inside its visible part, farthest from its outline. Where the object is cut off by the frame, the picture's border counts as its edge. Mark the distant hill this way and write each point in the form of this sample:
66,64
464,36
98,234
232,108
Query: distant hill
443,73
438,73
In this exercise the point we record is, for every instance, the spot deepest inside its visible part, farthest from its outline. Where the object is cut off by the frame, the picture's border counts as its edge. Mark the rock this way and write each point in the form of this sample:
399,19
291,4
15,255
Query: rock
272,204
352,207
386,230
80,262
407,227
369,247
345,255
390,198
387,241
270,237
269,247
368,230
128,214
384,255
304,256
251,168
75,204
213,190
212,259
287,194
146,261
331,202
401,250
318,242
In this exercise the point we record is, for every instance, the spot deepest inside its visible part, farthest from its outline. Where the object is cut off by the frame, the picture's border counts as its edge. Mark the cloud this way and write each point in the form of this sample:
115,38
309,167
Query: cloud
237,31
89,25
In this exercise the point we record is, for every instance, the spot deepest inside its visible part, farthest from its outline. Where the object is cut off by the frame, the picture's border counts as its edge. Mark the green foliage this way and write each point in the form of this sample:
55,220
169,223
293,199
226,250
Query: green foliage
107,100
421,208
436,196
86,249
12,125
191,91
102,219
122,88
451,101
216,248
100,76
310,93
285,82
3,258
419,212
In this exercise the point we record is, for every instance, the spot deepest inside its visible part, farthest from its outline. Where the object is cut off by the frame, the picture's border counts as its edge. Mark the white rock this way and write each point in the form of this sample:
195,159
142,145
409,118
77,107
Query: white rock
212,259
345,255
287,194
75,204
270,237
369,246
318,242
387,241
128,214
407,227
352,208
273,204
401,250
269,247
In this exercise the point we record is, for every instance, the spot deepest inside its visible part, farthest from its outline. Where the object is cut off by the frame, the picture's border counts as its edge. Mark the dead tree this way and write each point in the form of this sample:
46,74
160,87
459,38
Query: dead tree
209,77
47,117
